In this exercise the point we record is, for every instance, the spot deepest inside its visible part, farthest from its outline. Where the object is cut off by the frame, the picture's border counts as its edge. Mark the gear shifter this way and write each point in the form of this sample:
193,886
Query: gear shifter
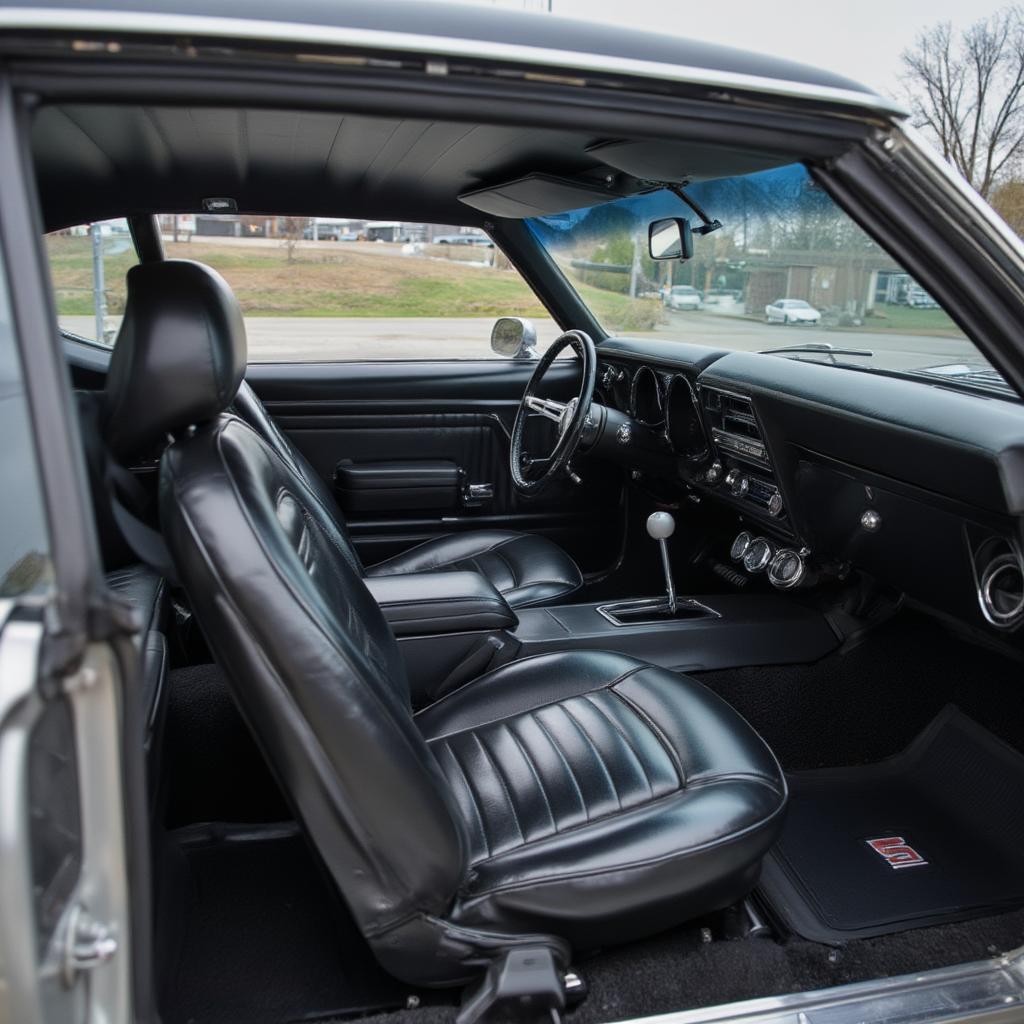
661,526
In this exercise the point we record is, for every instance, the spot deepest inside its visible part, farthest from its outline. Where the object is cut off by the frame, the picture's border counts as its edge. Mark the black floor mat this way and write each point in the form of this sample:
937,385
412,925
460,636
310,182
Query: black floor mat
265,936
934,834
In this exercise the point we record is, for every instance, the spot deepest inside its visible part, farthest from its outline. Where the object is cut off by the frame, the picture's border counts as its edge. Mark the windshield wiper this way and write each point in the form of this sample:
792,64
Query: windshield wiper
818,349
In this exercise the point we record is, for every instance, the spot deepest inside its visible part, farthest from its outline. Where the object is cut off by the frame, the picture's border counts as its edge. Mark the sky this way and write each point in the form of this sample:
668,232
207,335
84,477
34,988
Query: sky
861,39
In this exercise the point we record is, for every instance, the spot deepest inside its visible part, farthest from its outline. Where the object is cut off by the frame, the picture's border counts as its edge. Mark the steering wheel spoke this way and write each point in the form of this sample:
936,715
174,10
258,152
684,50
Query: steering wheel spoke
546,407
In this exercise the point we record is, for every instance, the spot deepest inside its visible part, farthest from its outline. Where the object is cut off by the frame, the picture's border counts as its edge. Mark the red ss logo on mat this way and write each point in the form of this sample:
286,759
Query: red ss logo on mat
898,853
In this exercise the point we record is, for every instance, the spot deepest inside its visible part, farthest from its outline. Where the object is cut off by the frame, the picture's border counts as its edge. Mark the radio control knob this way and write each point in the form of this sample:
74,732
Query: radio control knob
713,475
871,521
775,505
737,483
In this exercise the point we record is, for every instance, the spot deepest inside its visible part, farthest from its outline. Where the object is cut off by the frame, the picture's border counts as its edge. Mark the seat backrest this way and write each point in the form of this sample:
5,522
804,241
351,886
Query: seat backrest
248,406
312,662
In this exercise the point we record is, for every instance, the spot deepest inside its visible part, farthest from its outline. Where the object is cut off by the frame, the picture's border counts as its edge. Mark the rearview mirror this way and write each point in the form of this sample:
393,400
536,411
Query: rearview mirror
514,338
670,239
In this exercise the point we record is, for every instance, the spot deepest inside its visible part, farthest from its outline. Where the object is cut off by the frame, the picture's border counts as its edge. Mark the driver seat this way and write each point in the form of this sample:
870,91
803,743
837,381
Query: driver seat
569,800
524,568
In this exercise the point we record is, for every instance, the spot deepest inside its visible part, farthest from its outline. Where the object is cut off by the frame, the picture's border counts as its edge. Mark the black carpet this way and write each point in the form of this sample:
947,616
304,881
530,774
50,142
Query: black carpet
265,937
676,971
934,834
212,768
870,703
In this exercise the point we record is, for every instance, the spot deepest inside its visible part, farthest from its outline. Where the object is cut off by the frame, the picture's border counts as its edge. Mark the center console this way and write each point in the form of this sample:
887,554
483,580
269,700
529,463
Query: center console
453,627
707,632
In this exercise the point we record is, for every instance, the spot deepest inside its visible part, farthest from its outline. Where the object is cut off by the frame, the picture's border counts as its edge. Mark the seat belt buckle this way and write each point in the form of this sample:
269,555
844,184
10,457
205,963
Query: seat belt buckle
524,986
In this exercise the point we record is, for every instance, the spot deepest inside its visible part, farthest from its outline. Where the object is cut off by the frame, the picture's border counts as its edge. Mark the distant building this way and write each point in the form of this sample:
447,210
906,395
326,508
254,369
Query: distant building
826,279
313,228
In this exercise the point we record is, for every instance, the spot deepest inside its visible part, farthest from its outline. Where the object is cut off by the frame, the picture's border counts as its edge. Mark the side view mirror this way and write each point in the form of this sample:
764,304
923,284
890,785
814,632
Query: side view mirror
514,338
670,239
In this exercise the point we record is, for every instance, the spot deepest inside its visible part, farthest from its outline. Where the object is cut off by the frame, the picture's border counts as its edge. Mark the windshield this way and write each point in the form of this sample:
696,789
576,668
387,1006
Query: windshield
787,270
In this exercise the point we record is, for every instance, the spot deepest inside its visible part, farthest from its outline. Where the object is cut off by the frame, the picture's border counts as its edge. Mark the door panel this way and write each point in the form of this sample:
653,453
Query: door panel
452,410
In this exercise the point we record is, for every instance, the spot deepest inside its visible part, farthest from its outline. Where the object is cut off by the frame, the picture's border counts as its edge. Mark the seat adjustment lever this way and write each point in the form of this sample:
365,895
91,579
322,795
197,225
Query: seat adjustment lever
524,986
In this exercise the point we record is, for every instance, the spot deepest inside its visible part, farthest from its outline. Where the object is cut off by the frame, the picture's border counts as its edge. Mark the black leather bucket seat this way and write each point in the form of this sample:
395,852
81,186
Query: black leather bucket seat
572,800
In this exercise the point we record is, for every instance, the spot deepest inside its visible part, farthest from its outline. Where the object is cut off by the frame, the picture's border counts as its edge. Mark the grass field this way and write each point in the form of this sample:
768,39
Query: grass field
356,281
908,320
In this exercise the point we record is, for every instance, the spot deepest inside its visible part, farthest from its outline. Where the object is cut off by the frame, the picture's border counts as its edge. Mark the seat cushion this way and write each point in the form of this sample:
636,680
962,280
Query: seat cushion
525,569
604,797
144,589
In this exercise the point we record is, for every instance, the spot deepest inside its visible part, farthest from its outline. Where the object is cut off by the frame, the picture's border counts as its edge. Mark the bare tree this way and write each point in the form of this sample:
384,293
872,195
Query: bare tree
291,229
1007,200
967,89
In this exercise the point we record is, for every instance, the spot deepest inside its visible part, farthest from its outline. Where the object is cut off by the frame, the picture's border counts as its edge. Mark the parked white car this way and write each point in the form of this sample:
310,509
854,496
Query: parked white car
918,298
683,296
791,311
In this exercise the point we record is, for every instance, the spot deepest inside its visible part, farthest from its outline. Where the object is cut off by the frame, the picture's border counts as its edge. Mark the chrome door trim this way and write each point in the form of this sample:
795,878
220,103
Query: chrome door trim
987,991
34,984
21,987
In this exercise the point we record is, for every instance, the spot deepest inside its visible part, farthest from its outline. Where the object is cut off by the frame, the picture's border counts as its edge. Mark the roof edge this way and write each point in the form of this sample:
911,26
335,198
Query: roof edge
121,22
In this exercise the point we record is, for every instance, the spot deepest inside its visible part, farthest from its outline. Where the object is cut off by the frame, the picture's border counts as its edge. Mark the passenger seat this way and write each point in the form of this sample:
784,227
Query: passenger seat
525,568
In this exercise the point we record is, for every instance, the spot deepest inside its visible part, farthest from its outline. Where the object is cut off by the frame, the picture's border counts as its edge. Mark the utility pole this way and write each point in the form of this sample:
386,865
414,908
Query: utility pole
99,291
634,270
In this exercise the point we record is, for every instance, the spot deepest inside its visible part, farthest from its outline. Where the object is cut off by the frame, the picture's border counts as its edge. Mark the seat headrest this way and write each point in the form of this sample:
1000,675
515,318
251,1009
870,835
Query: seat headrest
179,357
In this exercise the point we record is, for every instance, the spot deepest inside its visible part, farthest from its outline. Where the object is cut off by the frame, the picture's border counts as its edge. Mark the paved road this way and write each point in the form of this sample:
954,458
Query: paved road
311,339
892,351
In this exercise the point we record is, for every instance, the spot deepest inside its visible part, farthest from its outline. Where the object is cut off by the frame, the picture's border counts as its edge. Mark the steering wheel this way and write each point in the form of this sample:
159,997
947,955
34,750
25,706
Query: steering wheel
570,416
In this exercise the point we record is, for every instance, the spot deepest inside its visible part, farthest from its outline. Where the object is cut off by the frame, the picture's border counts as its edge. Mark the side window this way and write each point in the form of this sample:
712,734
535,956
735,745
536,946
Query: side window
331,289
88,264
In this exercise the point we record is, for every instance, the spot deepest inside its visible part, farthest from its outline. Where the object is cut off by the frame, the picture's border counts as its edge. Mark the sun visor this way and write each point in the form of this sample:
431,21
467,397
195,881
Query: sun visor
538,195
682,162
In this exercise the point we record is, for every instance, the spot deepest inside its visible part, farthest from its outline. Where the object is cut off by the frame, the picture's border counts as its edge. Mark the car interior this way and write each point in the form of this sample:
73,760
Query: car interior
631,675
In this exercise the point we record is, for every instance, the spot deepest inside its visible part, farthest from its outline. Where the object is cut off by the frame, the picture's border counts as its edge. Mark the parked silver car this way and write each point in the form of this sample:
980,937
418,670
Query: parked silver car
683,296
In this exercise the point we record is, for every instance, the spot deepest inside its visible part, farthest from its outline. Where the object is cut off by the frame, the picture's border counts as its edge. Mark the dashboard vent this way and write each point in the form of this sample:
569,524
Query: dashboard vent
734,427
1000,577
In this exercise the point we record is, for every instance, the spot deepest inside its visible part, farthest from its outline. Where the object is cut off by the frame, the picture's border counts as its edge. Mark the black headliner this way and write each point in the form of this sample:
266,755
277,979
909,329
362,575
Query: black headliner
459,21
95,161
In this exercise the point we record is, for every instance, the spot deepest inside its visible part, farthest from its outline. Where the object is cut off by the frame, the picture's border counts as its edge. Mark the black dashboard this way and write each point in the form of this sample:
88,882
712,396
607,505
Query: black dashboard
816,471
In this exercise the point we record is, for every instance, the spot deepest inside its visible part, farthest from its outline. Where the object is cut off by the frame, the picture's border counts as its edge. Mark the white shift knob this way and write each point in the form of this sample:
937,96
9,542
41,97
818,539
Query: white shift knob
661,525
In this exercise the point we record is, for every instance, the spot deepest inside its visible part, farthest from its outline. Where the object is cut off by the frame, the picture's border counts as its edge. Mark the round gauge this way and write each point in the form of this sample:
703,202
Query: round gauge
647,401
758,555
739,546
683,425
787,569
